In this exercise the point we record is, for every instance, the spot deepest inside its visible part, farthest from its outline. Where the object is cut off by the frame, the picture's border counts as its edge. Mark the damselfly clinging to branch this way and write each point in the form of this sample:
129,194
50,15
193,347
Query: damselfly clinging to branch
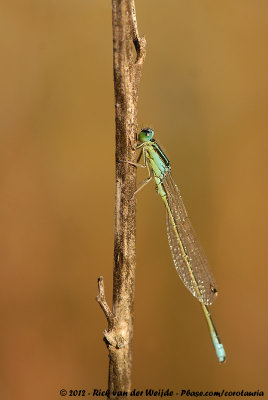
188,257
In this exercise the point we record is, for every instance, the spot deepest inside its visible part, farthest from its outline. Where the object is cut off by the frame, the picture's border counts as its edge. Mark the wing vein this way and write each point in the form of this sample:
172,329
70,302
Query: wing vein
194,269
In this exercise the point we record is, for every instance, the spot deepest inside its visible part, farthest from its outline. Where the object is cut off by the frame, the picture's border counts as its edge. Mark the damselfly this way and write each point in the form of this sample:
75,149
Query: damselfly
188,256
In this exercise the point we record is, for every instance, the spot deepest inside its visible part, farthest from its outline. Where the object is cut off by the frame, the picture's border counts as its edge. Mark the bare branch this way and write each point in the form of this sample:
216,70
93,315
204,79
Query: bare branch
127,73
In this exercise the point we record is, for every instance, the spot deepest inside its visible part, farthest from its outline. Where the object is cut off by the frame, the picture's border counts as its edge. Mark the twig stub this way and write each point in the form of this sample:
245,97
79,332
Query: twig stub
103,303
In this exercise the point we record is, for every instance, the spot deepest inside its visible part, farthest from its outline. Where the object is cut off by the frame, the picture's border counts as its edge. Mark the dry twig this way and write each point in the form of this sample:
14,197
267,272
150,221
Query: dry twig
127,74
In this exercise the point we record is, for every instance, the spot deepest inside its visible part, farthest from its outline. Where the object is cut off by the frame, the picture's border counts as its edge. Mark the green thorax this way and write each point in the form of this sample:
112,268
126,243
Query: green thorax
157,159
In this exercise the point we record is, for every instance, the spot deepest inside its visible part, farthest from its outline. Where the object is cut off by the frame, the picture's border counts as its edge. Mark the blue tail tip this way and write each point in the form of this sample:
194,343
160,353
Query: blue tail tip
221,353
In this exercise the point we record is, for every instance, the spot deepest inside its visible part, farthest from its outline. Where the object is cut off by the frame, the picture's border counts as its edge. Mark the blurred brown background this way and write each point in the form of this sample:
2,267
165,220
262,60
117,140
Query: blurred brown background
204,90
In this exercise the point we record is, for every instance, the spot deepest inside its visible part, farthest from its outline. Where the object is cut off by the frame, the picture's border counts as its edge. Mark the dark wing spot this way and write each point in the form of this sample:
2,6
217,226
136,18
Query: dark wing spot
213,289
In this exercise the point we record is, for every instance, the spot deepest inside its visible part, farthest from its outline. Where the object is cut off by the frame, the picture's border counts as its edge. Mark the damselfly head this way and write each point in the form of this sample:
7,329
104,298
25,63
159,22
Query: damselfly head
146,135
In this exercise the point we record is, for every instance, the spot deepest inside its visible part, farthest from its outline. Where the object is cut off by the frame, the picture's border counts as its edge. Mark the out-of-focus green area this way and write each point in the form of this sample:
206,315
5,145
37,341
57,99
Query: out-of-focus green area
204,91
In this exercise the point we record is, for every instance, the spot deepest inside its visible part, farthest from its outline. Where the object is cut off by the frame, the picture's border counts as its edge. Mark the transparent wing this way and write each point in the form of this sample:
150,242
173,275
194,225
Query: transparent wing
195,272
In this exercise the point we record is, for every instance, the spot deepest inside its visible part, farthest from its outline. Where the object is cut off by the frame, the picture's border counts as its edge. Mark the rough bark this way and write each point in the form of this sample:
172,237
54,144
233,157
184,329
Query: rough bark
128,58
